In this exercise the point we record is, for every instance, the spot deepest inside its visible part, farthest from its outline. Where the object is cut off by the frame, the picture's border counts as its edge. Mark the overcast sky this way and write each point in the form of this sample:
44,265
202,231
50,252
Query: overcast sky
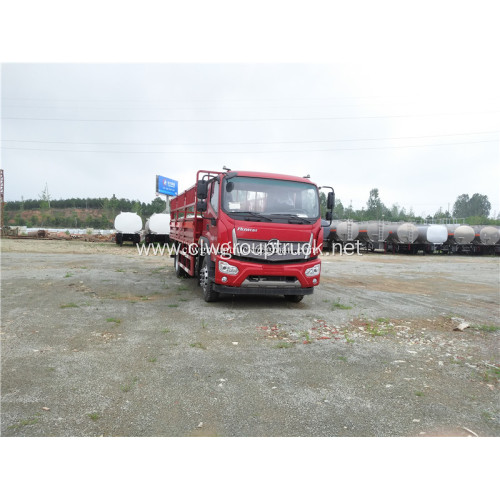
421,134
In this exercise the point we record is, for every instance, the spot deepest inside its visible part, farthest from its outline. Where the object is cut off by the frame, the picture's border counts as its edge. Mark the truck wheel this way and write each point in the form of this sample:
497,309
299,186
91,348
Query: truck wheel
207,285
294,298
119,239
179,272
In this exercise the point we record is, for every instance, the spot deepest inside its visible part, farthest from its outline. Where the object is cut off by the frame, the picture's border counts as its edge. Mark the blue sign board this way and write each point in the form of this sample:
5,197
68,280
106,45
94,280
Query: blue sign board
166,186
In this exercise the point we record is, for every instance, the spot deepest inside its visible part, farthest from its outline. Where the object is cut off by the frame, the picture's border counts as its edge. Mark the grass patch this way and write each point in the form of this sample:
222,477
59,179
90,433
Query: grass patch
68,275
94,416
152,360
120,270
307,338
342,358
199,345
419,393
158,270
338,305
487,328
380,327
65,306
24,423
491,375
166,330
204,324
113,320
173,305
182,288
374,331
129,386
283,345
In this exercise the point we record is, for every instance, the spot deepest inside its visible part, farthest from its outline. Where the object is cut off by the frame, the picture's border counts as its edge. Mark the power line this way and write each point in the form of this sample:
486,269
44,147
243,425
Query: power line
270,99
251,152
248,143
160,108
190,120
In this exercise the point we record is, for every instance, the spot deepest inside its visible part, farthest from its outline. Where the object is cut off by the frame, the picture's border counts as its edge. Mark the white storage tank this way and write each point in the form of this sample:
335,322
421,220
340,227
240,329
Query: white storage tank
159,224
436,234
128,223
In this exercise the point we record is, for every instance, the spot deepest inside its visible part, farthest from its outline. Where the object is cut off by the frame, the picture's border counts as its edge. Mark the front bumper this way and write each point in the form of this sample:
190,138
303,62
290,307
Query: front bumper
267,279
263,290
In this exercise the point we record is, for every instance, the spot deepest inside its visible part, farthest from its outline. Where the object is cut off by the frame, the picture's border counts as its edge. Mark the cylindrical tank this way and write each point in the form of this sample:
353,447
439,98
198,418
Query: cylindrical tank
158,224
375,231
464,235
128,223
347,230
437,234
489,235
407,233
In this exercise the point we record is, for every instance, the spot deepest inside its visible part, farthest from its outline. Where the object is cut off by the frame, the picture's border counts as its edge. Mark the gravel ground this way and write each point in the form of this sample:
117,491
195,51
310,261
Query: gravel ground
99,341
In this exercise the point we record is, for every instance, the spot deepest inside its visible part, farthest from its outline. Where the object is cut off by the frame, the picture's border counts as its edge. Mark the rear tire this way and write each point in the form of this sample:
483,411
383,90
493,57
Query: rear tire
206,282
294,298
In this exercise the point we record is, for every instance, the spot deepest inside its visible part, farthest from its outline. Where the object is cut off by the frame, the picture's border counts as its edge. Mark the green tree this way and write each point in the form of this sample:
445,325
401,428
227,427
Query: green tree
479,206
476,206
44,198
339,210
137,208
461,206
374,206
322,204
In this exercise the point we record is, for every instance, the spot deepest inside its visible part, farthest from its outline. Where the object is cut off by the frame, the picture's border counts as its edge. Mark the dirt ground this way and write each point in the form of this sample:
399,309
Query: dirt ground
100,341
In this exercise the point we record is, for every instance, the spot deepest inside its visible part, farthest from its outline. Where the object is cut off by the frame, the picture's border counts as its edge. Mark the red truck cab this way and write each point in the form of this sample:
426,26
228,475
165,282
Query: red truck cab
249,233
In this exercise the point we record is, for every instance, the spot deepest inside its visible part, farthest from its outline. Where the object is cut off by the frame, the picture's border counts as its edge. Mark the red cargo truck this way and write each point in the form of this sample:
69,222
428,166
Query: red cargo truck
249,233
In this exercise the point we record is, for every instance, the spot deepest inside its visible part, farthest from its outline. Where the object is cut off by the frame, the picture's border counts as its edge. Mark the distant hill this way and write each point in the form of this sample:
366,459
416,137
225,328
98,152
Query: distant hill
60,218
98,213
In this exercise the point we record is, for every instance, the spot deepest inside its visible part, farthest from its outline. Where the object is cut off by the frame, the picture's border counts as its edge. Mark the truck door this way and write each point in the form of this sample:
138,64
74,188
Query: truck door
211,214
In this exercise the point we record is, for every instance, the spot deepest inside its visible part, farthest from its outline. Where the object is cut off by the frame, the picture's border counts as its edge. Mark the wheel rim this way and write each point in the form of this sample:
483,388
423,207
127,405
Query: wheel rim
204,277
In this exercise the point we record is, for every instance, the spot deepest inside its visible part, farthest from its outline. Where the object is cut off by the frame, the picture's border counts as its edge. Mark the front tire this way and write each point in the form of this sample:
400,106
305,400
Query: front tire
206,282
179,272
294,298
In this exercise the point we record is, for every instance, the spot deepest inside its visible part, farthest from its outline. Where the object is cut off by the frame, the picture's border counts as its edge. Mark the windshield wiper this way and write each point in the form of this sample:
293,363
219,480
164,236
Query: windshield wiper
303,220
252,214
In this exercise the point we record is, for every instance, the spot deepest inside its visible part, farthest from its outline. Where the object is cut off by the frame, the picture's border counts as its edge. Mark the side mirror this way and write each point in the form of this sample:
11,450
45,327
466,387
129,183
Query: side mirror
202,190
330,201
329,216
201,206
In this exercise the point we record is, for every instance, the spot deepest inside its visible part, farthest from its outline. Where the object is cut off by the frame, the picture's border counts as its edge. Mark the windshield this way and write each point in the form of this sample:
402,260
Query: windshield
257,196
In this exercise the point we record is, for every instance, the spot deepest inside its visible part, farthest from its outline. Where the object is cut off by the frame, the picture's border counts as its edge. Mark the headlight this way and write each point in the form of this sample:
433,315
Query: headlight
226,268
313,271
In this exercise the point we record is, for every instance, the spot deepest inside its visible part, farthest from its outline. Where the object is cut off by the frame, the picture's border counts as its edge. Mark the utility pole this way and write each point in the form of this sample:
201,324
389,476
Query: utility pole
2,202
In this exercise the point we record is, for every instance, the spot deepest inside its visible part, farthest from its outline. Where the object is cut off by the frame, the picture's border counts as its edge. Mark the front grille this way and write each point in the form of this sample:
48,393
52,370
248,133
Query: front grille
272,251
